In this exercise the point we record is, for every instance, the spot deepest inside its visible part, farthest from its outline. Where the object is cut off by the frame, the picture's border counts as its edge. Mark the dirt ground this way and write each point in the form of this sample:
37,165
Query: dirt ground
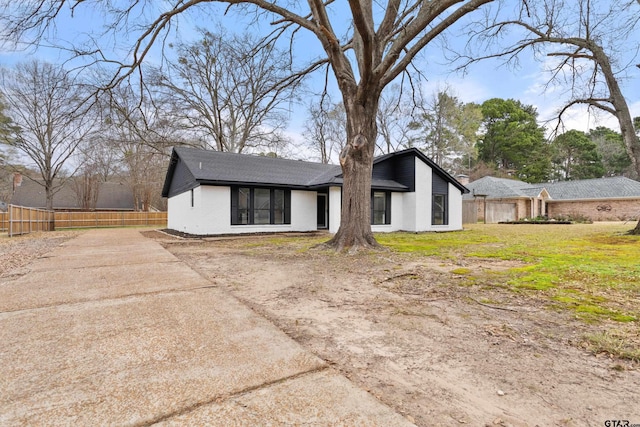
406,329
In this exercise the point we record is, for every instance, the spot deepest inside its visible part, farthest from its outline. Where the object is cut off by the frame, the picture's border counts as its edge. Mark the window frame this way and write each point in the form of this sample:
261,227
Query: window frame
445,208
283,218
387,207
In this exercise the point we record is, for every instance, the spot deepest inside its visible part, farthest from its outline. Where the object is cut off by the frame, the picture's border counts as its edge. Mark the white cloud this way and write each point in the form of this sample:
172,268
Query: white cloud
467,89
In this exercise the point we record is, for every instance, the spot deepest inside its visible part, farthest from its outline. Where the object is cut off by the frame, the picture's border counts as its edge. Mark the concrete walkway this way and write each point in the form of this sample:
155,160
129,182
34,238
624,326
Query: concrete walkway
112,329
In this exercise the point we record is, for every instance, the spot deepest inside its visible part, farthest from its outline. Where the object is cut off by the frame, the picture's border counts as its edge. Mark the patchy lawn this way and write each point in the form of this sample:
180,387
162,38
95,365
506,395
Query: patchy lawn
496,325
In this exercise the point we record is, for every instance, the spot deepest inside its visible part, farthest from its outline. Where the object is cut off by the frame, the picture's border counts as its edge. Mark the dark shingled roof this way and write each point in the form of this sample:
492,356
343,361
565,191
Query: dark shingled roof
599,188
216,166
222,168
111,196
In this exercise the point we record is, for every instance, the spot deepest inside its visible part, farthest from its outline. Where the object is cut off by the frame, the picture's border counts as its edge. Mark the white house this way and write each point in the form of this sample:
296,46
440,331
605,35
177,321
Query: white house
211,192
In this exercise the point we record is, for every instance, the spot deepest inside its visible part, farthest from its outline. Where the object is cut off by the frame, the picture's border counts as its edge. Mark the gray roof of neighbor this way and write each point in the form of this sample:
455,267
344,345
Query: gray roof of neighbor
111,196
599,188
502,188
215,167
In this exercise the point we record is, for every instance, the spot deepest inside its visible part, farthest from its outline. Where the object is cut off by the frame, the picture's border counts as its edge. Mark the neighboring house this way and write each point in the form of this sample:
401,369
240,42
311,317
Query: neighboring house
605,199
212,192
602,199
111,196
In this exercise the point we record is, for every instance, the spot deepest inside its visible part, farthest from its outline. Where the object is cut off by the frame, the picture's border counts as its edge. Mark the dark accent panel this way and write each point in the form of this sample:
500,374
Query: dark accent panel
401,169
387,207
287,207
182,179
234,206
405,171
251,205
440,186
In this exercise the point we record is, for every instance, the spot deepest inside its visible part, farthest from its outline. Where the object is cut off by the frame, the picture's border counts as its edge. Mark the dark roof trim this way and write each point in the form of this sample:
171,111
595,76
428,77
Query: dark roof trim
433,165
167,179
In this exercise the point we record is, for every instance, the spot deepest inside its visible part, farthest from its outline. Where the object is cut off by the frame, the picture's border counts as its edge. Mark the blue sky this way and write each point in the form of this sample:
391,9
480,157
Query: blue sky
482,81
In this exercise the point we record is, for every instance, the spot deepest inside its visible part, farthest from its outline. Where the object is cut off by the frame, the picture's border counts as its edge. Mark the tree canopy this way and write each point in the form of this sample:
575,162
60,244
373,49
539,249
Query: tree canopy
512,141
575,156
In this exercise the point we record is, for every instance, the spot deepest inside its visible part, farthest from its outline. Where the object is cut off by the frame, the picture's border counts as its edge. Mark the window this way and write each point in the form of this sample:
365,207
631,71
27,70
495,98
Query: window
439,210
380,207
244,201
192,201
279,206
260,206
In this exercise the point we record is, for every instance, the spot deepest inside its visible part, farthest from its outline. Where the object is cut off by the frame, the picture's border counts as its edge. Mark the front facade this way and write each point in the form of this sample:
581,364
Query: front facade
213,193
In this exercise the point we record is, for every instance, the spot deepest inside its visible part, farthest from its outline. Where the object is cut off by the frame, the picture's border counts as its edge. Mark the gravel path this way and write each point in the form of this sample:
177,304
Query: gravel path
17,251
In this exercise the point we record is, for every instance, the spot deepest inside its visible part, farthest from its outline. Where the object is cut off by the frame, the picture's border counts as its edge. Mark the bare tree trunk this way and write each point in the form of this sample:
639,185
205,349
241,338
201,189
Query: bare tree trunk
356,159
48,190
621,111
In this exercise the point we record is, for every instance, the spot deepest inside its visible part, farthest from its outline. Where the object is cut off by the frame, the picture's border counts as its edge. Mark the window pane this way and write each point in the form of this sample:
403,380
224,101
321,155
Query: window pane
261,206
379,207
243,205
278,206
439,209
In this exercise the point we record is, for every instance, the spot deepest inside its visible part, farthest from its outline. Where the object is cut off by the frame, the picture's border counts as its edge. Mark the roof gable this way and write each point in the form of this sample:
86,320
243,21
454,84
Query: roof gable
415,153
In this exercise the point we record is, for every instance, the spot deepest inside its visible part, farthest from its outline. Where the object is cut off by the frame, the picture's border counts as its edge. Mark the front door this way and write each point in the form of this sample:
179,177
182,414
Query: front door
323,211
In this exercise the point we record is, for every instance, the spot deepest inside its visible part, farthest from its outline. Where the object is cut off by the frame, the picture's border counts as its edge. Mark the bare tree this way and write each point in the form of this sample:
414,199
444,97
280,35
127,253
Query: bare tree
140,139
394,119
86,187
325,129
587,37
380,43
230,90
49,107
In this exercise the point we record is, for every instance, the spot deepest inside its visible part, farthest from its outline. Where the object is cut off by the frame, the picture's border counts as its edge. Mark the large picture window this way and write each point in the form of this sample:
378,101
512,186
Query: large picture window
380,207
251,205
440,215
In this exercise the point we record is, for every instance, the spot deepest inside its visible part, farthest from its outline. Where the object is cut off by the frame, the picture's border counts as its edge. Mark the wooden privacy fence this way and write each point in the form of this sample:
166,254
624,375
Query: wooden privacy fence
109,219
4,221
22,220
28,220
469,212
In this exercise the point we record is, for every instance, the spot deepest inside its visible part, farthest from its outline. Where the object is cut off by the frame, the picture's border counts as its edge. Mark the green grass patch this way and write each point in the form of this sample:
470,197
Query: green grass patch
571,266
618,343
462,271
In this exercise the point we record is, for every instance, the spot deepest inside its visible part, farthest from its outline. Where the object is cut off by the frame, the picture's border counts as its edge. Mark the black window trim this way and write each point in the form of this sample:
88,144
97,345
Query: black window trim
387,207
445,219
251,220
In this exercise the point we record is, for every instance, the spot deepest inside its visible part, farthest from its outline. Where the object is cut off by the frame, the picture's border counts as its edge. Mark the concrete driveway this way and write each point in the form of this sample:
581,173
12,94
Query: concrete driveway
111,329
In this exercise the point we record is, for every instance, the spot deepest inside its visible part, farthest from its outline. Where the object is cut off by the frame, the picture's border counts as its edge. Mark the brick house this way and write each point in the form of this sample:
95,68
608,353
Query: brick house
601,199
